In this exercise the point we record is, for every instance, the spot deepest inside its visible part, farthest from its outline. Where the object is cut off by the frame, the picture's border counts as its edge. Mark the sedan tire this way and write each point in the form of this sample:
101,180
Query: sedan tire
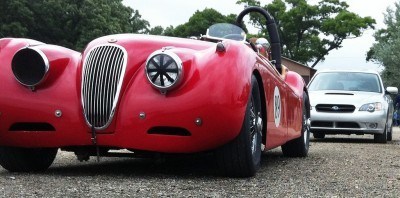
381,138
319,135
389,133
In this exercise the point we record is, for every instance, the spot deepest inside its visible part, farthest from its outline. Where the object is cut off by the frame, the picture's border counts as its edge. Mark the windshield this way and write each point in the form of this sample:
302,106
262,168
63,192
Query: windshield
226,31
346,81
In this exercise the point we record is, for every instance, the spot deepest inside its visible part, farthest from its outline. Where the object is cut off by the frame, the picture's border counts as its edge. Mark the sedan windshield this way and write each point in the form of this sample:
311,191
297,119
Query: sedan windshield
346,81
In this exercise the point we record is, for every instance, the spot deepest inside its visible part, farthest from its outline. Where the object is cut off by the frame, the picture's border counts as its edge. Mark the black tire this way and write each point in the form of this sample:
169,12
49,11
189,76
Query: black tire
242,156
319,135
381,138
299,147
27,159
390,133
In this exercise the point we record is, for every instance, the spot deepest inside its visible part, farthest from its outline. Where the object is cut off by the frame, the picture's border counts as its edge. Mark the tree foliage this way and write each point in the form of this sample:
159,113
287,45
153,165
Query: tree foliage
199,22
14,17
386,50
309,32
74,23
70,23
157,30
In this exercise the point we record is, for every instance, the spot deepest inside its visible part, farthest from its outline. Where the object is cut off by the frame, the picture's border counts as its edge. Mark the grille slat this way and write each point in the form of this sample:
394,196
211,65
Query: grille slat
90,70
103,71
109,77
101,84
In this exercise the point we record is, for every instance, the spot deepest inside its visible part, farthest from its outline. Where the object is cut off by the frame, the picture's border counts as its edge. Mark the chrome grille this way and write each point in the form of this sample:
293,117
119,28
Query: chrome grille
102,76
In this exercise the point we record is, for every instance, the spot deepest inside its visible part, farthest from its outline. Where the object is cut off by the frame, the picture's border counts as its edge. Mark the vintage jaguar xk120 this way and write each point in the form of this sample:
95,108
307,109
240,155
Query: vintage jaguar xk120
151,94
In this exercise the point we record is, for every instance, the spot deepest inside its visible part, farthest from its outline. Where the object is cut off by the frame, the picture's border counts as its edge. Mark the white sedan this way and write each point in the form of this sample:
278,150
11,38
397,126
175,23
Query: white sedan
351,102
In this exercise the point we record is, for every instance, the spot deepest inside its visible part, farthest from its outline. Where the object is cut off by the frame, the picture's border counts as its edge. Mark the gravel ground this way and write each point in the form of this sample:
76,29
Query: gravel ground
337,166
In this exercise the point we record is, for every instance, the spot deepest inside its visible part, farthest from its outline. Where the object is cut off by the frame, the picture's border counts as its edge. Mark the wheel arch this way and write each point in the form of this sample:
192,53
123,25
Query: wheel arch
308,105
257,74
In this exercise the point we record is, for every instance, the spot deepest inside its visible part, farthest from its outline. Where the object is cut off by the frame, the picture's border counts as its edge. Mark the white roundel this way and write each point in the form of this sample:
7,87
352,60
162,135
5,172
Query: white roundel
277,107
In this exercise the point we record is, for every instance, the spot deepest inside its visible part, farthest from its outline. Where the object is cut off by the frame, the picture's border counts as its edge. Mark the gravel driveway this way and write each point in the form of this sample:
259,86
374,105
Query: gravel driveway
337,166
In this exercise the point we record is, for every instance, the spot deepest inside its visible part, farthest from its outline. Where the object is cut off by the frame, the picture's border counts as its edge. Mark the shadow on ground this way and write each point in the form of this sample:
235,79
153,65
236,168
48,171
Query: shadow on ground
182,166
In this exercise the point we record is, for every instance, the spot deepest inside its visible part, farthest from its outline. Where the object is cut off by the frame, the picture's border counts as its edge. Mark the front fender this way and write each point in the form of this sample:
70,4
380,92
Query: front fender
215,89
58,92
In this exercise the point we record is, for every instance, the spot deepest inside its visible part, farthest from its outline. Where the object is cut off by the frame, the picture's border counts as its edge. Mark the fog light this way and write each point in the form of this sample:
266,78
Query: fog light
373,125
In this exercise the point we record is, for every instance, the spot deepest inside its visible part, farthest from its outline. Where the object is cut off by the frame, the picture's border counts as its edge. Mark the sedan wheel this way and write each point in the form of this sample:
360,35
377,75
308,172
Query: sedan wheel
390,133
381,138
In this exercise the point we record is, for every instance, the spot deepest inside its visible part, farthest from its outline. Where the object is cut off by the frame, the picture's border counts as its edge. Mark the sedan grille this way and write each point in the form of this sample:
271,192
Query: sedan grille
102,76
332,124
333,108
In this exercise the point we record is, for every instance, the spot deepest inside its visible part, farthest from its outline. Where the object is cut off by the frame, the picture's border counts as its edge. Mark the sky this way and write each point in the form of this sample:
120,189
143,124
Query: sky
351,55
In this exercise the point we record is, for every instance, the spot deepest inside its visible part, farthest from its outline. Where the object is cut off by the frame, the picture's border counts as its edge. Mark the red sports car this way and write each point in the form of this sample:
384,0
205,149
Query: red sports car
151,94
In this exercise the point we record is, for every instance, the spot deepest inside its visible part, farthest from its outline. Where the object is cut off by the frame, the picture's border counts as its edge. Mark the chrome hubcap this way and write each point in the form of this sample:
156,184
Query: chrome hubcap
256,125
306,129
259,123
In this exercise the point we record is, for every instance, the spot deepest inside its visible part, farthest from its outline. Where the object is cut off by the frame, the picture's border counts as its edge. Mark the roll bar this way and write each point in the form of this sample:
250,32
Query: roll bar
272,31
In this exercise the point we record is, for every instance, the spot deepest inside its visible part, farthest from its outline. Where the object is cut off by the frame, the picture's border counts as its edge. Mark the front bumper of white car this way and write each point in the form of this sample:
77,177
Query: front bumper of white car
357,122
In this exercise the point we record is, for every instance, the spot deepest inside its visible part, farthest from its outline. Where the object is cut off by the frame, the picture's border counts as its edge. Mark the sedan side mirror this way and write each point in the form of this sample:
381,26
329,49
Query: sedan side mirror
392,90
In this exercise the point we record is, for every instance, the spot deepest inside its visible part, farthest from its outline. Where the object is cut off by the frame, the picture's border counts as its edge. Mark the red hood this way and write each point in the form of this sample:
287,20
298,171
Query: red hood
139,47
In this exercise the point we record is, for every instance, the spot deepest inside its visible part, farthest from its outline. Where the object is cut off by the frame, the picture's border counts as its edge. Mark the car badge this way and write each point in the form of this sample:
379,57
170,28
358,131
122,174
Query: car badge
112,40
335,108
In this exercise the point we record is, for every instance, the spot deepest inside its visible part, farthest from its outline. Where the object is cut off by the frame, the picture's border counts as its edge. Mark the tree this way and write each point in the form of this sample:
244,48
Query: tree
169,31
70,23
138,24
158,30
14,17
387,47
309,32
199,22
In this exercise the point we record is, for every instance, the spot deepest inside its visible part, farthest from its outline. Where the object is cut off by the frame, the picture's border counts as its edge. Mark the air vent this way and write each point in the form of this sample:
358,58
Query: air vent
169,131
31,126
349,94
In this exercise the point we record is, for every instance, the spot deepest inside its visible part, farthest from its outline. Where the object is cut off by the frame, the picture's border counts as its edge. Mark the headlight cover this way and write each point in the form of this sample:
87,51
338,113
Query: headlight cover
30,66
371,107
164,70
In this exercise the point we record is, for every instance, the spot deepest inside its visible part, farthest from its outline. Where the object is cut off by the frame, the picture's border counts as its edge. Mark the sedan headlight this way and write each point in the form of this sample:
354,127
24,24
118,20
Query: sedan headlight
164,70
371,107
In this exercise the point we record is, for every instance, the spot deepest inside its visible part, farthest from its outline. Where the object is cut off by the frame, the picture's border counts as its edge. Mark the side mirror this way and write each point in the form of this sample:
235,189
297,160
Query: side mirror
392,90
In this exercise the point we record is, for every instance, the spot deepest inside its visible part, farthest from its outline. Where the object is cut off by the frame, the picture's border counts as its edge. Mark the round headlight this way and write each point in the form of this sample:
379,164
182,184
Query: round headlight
164,70
30,66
